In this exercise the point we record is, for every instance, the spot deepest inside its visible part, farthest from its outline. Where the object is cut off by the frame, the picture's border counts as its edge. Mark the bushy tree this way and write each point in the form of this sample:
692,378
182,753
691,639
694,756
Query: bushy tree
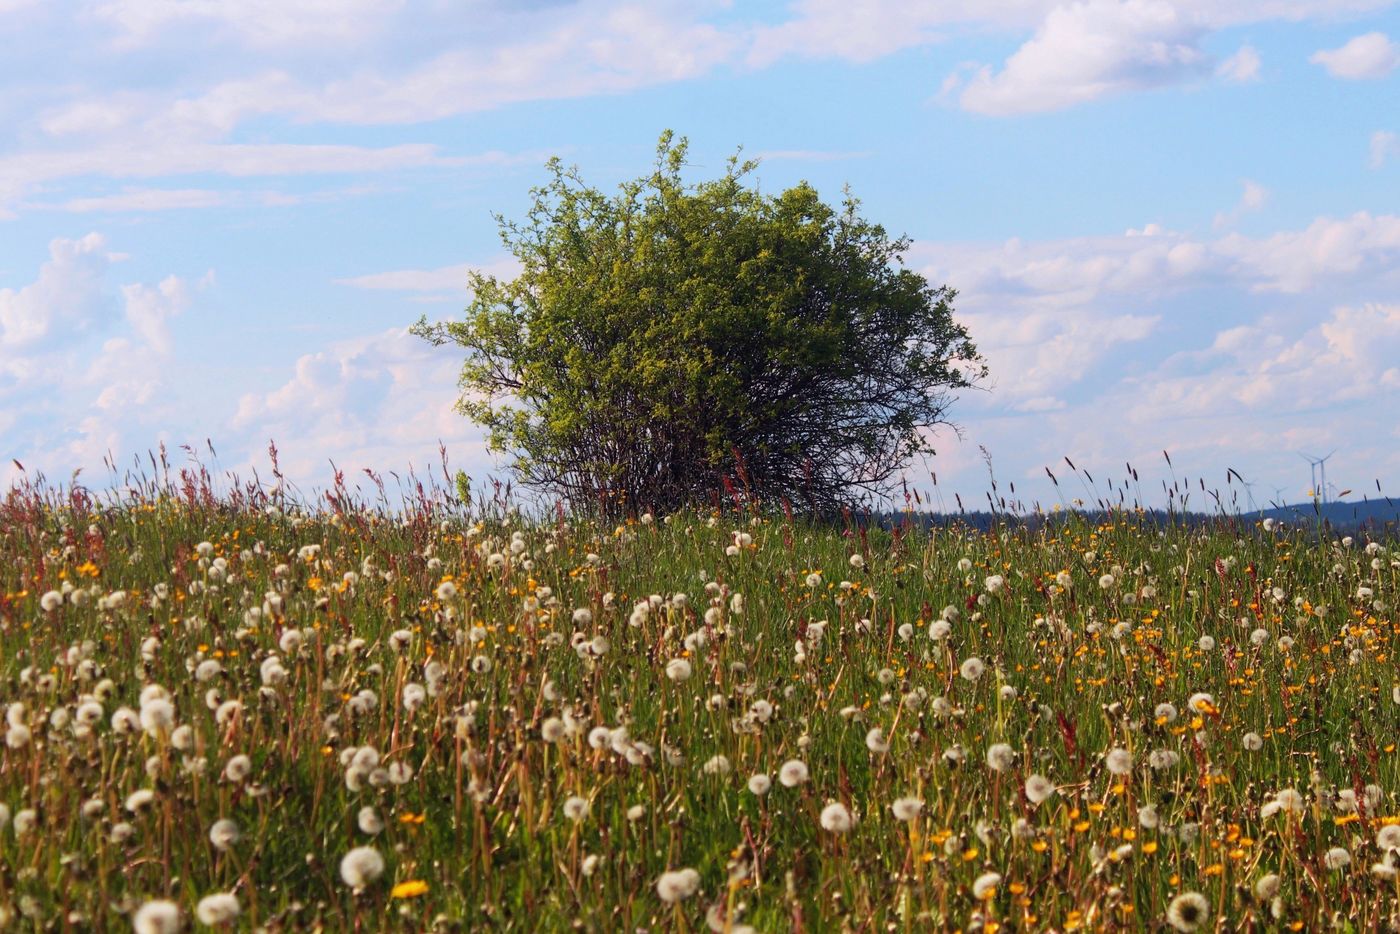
668,340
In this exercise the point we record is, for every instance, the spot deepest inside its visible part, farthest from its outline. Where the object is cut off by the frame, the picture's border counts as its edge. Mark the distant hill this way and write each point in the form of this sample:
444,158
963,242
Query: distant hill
1365,513
1377,516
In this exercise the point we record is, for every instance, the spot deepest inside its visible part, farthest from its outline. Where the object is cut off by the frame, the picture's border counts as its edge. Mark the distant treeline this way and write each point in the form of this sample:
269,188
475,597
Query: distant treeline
1377,517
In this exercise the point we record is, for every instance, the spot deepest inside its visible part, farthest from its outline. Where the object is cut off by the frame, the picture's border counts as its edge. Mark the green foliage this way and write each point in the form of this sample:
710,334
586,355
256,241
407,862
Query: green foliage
663,338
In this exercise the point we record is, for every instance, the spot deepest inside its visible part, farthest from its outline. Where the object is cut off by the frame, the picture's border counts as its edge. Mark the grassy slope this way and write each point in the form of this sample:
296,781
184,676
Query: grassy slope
1069,675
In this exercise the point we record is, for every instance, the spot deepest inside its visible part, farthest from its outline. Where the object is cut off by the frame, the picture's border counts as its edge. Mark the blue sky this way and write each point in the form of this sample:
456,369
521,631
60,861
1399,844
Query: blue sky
1174,224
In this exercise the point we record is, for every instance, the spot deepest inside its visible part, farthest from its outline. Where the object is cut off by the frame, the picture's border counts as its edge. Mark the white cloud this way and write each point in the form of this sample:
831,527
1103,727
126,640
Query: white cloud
443,279
1252,198
1328,248
864,30
583,50
1088,50
150,308
146,199
21,173
1372,55
260,22
621,49
1384,145
367,402
1048,314
66,300
1350,356
1242,66
84,365
854,30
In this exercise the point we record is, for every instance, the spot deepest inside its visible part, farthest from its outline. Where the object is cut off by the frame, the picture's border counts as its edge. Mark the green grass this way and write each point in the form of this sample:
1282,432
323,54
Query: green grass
1070,673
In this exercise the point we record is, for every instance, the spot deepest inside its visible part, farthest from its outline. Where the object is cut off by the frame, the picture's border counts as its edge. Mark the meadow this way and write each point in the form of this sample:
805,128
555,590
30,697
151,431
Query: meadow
240,713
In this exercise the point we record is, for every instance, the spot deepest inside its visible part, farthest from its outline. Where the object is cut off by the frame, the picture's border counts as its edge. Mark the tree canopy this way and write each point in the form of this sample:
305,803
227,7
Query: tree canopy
669,341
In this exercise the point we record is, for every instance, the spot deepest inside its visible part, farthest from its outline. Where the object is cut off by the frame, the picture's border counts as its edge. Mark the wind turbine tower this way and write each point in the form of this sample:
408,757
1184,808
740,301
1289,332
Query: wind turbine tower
1319,467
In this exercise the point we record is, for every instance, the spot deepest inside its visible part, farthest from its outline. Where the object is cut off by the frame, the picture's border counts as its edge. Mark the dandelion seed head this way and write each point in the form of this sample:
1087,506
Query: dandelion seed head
157,917
1188,911
836,818
361,867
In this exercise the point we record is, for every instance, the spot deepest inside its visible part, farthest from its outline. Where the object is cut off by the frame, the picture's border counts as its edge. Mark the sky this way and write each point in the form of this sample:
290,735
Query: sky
1174,225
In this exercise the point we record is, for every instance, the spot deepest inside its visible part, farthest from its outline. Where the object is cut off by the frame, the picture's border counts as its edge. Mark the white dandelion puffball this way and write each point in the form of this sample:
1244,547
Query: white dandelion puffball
361,867
369,821
759,784
793,773
857,561
1336,858
552,730
876,742
1388,838
717,765
995,583
1119,761
678,670
1000,757
985,885
1188,911
836,818
238,768
219,908
907,809
1039,789
972,668
224,834
677,884
576,808
157,917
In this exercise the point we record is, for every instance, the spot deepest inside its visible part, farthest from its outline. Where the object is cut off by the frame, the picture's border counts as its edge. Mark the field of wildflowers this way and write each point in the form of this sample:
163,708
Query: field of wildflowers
246,715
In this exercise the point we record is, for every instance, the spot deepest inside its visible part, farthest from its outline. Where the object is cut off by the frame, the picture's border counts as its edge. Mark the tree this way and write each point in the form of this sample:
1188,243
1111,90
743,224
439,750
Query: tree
669,339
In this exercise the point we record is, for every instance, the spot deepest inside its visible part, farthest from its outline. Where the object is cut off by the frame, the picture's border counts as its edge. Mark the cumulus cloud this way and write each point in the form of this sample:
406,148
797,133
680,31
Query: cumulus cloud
65,300
150,308
84,364
1242,66
1327,249
1089,50
1372,55
370,401
1349,356
1252,198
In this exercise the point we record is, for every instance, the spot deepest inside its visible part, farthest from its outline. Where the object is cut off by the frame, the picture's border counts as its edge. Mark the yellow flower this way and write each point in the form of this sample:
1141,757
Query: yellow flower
410,889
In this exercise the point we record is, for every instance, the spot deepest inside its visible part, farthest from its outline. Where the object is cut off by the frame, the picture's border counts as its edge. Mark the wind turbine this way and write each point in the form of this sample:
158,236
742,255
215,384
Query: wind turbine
1318,465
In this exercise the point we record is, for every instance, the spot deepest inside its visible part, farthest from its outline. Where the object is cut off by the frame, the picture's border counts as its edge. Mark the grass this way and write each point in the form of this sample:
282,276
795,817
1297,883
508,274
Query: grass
495,669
